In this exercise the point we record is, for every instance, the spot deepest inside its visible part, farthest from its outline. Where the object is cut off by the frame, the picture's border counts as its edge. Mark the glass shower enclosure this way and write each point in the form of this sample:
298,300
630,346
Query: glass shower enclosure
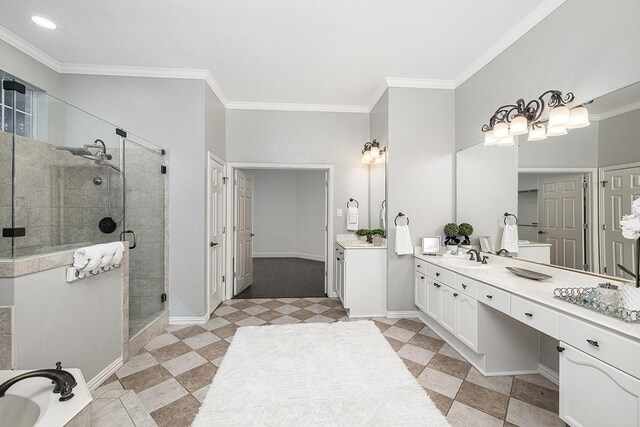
70,179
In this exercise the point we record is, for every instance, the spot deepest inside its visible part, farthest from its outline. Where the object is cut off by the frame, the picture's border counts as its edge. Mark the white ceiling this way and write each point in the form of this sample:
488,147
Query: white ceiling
335,52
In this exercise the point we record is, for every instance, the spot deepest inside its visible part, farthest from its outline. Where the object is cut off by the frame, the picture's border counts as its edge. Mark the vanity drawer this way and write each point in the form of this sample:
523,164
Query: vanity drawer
494,297
339,251
538,317
420,265
437,273
609,347
466,286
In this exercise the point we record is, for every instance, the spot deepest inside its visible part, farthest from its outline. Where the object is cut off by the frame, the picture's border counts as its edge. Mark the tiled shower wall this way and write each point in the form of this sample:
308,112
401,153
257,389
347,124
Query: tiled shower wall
56,199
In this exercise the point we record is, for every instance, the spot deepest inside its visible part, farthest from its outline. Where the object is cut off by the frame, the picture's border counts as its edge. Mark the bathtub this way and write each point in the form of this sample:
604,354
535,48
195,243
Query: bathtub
31,402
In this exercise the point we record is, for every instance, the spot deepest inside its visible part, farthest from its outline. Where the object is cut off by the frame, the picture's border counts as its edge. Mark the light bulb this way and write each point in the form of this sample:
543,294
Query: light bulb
501,130
518,125
556,130
379,160
489,139
375,152
559,116
537,132
578,118
506,141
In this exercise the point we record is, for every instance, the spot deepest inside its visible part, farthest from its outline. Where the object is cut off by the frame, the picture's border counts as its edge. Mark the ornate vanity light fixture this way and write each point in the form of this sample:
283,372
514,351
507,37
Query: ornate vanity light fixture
373,153
521,118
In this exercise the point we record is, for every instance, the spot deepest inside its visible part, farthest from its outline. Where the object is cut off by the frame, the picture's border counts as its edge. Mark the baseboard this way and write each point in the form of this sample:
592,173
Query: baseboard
548,373
289,255
105,373
413,314
176,321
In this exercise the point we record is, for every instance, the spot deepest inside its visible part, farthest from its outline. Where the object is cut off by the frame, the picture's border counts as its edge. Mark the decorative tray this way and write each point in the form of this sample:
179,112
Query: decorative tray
598,300
528,274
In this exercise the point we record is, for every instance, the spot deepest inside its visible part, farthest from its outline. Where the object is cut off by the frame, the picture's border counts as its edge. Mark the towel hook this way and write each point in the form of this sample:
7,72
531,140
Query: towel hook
507,215
352,200
384,202
400,215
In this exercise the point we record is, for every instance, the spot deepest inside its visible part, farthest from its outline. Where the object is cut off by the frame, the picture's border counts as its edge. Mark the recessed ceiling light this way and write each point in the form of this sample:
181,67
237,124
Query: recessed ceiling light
44,22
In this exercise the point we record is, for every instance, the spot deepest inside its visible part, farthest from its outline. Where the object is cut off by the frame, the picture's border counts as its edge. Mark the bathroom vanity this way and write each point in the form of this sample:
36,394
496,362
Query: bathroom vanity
360,277
494,319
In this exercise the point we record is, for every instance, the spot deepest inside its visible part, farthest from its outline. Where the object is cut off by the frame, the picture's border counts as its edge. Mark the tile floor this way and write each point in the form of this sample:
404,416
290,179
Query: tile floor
170,377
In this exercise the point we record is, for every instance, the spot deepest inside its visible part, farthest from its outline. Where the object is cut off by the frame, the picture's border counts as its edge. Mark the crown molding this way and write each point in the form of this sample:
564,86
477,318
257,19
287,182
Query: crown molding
419,83
530,21
29,49
325,108
615,112
377,95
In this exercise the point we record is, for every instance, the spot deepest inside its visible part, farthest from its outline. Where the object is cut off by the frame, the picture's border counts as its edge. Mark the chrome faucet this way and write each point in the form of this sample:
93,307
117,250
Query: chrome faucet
64,381
476,256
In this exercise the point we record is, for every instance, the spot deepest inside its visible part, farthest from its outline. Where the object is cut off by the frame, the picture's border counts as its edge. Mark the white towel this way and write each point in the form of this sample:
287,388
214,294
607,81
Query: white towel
97,257
510,238
404,244
352,218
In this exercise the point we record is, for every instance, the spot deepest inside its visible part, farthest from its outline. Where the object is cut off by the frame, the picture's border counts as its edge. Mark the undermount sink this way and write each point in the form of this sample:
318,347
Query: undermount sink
464,264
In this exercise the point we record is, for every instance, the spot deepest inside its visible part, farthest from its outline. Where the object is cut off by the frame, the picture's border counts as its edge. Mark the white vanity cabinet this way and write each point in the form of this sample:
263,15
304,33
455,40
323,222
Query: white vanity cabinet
420,290
467,321
360,279
594,393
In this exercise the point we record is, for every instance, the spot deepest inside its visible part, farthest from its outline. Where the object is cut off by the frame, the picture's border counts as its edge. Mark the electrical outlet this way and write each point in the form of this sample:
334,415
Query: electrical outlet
339,212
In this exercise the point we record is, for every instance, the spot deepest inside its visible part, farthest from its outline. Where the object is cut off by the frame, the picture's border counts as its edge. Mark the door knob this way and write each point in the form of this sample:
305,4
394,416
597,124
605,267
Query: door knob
213,244
542,232
252,234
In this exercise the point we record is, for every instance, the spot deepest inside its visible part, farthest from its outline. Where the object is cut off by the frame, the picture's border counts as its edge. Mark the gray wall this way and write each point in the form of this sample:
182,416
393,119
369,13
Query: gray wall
588,47
171,114
28,69
420,178
577,149
306,137
619,139
289,213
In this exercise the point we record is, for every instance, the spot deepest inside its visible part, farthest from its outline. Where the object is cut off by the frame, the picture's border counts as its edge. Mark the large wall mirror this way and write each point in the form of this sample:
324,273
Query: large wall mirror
567,192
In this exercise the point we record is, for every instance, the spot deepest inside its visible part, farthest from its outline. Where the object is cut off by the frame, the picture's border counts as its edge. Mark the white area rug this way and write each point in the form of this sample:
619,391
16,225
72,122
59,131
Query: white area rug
339,374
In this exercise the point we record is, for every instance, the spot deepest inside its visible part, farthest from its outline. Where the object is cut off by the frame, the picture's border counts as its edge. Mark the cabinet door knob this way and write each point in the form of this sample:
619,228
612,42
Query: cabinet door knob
338,259
421,277
489,296
464,286
419,266
437,274
455,294
593,343
560,349
528,314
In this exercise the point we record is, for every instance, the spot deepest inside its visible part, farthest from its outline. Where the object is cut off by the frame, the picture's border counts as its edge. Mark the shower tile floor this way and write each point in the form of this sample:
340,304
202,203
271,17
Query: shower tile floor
166,382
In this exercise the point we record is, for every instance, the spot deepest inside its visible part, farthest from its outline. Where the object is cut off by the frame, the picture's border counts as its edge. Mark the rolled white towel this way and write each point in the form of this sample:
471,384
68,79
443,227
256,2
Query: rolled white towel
117,257
96,257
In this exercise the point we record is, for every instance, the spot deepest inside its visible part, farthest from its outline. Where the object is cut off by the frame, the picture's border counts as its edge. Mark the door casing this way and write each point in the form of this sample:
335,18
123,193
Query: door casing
231,167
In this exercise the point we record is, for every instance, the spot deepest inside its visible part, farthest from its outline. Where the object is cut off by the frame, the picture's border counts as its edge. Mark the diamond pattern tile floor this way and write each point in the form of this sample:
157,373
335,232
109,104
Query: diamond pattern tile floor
172,374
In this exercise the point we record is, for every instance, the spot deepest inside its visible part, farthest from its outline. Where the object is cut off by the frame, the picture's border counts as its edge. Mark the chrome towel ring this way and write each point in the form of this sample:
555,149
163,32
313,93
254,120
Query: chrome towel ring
352,200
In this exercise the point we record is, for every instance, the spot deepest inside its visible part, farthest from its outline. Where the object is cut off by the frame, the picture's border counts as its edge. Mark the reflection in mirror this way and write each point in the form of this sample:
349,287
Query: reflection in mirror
569,192
377,197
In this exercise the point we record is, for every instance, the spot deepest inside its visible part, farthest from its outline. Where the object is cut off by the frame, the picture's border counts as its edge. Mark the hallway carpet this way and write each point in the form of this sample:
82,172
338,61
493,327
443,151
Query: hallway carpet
285,278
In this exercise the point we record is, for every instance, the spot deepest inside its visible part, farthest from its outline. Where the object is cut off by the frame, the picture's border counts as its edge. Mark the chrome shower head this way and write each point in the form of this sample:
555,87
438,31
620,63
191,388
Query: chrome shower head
76,151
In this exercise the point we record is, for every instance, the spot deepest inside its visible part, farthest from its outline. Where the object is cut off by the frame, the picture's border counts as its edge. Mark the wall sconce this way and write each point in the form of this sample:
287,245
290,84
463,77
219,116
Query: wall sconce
521,118
373,153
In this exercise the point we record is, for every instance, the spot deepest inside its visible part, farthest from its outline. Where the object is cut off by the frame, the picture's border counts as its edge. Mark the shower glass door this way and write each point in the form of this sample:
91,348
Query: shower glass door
144,204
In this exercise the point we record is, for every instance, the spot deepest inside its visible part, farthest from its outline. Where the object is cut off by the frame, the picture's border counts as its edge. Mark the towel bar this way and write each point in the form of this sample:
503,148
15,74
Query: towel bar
400,215
352,200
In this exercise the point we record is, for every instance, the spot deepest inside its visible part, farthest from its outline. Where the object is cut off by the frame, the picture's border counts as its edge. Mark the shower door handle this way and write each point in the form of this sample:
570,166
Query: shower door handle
135,238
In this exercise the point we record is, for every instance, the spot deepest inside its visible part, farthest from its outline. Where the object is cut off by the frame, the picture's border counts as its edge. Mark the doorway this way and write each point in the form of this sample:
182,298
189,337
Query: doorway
215,232
555,209
281,227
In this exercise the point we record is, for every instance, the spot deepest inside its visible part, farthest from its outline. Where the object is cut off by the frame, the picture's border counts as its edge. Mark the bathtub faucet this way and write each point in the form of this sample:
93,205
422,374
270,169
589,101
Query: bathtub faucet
64,381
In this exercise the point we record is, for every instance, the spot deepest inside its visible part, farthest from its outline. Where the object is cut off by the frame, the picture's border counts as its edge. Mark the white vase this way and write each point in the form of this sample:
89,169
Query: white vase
630,296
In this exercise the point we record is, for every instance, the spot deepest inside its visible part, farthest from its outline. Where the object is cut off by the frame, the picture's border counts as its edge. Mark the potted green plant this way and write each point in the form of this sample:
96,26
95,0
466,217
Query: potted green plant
363,232
451,230
378,235
465,230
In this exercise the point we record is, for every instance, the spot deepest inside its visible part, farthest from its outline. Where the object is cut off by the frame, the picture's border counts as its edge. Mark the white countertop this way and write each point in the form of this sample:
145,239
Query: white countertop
538,291
533,245
357,244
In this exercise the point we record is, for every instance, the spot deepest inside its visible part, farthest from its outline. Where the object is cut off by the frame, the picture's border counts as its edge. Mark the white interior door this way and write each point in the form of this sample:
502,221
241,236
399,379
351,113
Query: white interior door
621,188
215,228
561,219
243,266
